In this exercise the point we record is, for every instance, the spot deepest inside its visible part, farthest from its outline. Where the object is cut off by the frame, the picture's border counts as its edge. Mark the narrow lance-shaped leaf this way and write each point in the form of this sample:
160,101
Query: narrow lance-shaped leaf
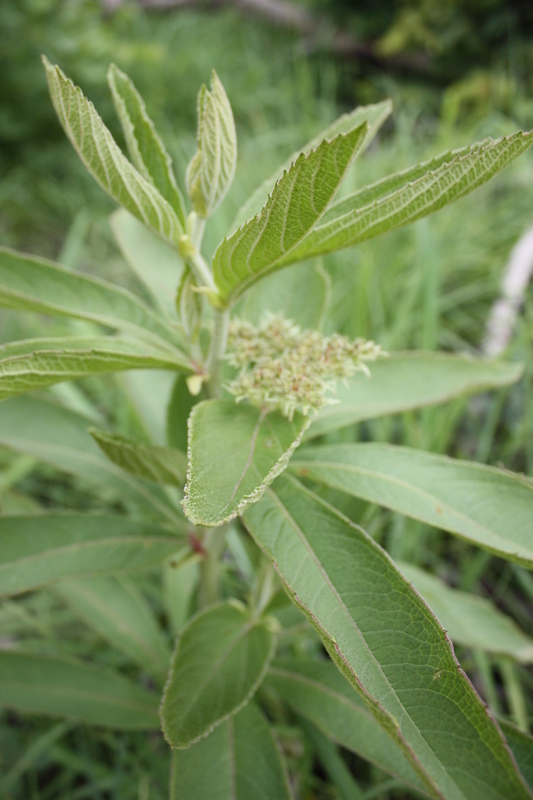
240,760
374,115
39,549
406,381
235,452
386,641
297,203
147,461
104,159
406,197
486,506
65,687
38,363
145,147
220,660
211,170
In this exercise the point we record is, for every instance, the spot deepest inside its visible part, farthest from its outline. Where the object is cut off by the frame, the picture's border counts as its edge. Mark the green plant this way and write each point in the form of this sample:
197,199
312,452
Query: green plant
248,391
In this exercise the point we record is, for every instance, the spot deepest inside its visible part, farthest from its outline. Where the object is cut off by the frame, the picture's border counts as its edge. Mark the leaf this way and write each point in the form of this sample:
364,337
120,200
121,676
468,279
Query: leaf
105,161
64,687
521,745
117,611
403,198
385,640
211,170
470,620
147,461
33,284
486,506
410,380
373,115
296,205
154,261
38,363
179,584
179,408
238,761
42,548
145,147
189,306
220,660
235,452
317,691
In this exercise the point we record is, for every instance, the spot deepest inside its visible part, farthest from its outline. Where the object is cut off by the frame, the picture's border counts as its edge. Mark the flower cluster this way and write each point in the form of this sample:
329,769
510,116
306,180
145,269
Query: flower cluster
282,367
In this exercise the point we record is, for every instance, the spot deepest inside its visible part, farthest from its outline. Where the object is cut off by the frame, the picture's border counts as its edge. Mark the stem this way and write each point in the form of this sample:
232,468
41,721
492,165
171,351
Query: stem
217,349
209,589
201,270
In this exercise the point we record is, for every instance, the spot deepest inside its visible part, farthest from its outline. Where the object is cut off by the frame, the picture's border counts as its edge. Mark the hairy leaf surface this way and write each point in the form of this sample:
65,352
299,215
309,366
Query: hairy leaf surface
147,461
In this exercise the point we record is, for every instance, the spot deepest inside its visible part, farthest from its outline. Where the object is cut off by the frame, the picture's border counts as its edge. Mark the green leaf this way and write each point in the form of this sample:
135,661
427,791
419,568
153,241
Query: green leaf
406,381
154,261
33,284
298,201
470,620
147,461
39,549
486,506
220,660
235,452
179,584
104,160
64,687
117,611
317,691
403,198
145,147
373,115
521,745
38,363
386,641
238,761
211,170
178,410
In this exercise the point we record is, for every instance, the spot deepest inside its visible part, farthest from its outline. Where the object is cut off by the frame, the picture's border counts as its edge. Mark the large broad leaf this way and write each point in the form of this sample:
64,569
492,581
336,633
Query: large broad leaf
235,451
211,170
145,147
64,687
104,159
386,641
147,461
117,611
40,549
220,660
406,381
297,203
469,620
238,761
33,284
521,745
373,115
488,507
317,691
38,363
403,198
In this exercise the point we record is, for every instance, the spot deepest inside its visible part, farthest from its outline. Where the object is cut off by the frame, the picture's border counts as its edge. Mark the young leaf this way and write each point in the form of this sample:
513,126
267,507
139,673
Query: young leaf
39,549
317,691
486,506
235,452
37,363
64,687
238,761
406,381
373,115
385,640
105,161
145,147
403,198
220,660
147,461
211,170
296,205
468,619
117,611
33,284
